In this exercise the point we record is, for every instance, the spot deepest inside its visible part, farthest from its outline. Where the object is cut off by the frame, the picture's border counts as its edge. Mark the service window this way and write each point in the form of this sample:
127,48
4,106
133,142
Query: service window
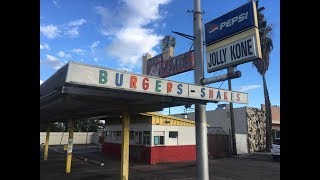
146,137
118,135
277,133
173,134
108,133
131,135
138,137
158,137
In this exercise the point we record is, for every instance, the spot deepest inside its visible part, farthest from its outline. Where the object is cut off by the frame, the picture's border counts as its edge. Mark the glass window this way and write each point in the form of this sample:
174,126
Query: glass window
173,134
277,133
131,135
158,140
161,139
140,137
146,140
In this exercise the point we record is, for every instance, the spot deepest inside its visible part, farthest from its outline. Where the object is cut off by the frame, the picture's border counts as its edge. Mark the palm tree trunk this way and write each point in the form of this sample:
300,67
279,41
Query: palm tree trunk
268,114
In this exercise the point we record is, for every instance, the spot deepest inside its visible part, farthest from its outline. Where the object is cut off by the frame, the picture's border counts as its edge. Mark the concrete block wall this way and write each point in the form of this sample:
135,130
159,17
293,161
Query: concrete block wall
57,138
242,144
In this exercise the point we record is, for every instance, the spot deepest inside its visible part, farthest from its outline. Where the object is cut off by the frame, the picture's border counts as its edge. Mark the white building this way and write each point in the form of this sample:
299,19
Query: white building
153,138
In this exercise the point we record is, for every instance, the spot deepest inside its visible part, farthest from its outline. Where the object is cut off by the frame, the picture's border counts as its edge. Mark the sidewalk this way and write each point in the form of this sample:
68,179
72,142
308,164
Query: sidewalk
264,156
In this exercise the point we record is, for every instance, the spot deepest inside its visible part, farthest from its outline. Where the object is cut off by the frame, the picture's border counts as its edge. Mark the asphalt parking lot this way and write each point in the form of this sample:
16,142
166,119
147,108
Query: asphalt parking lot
255,166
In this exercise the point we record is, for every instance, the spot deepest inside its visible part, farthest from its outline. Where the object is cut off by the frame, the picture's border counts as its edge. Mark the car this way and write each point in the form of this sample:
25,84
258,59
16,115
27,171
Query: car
276,149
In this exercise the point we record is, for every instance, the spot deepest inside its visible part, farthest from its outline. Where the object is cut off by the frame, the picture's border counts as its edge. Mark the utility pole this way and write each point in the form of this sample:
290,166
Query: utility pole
233,135
200,109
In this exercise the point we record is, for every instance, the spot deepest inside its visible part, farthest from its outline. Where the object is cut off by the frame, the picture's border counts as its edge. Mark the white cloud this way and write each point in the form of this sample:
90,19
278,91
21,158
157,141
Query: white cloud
94,45
249,87
61,54
41,81
45,47
72,29
130,38
50,31
126,69
52,61
56,3
79,51
95,59
131,44
73,32
78,22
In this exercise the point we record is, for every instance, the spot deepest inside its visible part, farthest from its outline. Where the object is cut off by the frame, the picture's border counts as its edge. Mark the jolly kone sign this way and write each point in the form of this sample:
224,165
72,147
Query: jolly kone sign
241,51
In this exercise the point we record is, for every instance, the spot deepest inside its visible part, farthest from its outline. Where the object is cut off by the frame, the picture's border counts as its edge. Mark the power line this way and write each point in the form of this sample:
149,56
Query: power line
221,83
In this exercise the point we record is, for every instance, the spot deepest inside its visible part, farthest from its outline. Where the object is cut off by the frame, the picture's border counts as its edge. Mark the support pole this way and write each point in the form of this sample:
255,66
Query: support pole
200,109
70,146
125,147
46,147
233,135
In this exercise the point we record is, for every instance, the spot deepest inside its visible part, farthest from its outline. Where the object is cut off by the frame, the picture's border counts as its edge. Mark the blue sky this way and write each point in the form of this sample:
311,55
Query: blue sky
115,34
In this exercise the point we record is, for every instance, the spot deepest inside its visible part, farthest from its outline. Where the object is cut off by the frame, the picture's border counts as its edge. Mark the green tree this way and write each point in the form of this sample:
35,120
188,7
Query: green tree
262,65
84,125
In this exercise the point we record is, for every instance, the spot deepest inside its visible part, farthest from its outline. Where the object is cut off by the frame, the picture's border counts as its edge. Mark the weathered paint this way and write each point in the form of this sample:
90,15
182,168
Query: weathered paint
160,119
46,147
163,154
156,154
106,78
125,147
70,146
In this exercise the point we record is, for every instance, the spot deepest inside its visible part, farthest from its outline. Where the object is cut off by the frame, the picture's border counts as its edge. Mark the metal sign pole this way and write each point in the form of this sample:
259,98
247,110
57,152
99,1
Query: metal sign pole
200,109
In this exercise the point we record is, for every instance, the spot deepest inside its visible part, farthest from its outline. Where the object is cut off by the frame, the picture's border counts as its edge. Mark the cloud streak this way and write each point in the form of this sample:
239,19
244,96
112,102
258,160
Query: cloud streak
249,87
45,47
78,51
72,29
52,62
50,31
63,54
93,46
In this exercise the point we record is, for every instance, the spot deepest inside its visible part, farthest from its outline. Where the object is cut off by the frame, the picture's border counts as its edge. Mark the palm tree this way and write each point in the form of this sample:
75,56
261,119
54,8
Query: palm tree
262,65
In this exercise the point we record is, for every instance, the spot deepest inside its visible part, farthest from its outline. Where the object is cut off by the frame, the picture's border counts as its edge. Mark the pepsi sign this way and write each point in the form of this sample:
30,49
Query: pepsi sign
231,23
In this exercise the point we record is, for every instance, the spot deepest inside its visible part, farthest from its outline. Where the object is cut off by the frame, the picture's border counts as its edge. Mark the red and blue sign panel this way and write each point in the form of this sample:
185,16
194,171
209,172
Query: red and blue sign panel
229,24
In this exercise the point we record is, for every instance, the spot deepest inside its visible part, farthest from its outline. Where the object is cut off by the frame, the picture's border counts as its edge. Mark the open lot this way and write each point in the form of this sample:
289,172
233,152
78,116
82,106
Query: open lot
253,166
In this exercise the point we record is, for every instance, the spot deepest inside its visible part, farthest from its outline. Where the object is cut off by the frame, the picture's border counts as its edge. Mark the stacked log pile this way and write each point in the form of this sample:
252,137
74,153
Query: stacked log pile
256,129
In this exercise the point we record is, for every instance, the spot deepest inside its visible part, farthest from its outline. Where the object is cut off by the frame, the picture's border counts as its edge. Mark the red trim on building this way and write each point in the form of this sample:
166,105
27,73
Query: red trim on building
139,154
112,149
161,154
153,155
